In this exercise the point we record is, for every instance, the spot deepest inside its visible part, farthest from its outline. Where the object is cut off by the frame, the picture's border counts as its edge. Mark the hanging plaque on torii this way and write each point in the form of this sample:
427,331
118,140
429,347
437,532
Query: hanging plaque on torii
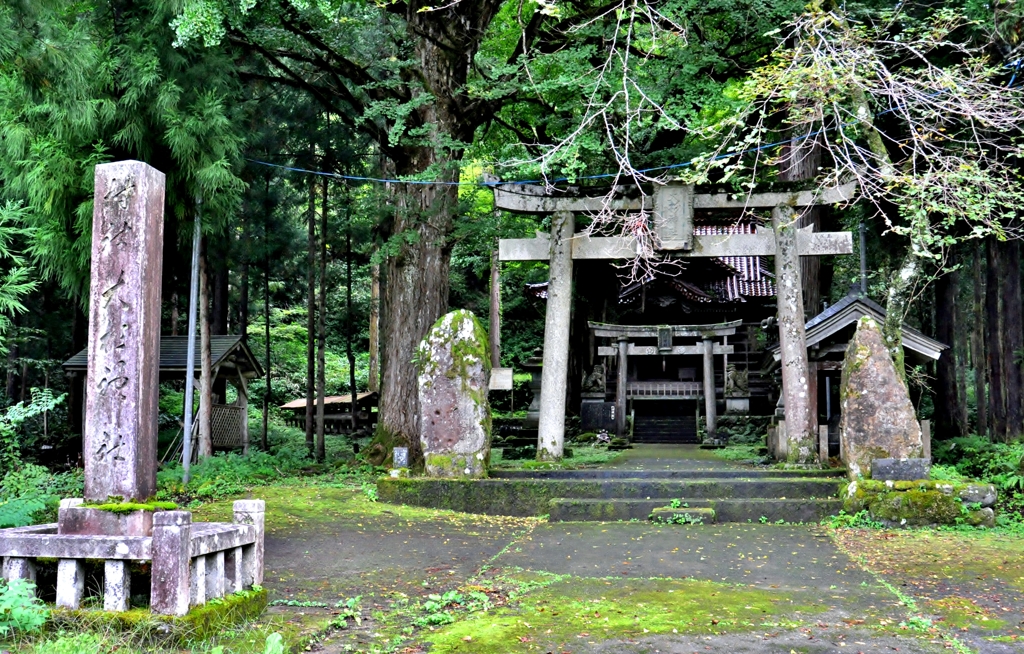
672,206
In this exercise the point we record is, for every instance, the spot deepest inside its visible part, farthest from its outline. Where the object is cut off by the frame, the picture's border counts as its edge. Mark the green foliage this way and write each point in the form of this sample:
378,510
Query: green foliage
860,520
439,609
975,457
31,493
20,610
13,417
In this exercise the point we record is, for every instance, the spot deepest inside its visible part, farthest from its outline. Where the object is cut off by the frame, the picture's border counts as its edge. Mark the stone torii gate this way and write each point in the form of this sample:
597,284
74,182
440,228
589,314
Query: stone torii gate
672,206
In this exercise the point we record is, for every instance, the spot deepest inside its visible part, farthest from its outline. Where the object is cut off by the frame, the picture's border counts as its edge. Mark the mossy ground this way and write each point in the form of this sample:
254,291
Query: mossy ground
583,611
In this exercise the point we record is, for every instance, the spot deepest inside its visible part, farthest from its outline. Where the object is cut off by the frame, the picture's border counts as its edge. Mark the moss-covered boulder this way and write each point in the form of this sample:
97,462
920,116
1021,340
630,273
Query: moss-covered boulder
925,502
878,419
454,367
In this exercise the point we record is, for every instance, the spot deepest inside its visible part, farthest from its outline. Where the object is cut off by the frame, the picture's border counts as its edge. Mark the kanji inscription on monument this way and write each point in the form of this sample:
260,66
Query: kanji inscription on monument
120,432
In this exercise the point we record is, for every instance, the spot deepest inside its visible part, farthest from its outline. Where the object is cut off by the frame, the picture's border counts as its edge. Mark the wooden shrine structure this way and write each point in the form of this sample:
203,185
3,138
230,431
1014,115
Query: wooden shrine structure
672,207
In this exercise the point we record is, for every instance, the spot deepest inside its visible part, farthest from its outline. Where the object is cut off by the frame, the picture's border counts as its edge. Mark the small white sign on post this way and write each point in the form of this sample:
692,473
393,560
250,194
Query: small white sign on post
501,379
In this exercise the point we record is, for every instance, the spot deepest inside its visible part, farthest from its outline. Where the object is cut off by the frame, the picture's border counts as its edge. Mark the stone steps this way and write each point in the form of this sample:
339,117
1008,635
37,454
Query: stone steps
679,473
727,510
698,489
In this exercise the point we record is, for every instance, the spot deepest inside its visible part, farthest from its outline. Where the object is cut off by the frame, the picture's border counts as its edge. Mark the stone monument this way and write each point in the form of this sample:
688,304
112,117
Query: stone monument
878,419
191,562
455,418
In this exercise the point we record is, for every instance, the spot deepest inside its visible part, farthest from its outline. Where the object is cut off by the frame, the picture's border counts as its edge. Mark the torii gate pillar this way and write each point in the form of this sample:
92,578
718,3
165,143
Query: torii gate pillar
554,374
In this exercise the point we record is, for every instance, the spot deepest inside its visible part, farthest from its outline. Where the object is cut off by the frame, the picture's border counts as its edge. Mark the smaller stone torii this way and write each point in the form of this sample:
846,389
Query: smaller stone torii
672,206
665,333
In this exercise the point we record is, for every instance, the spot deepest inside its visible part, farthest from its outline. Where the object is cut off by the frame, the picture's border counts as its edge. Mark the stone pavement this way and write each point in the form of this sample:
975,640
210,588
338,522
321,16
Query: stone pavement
732,587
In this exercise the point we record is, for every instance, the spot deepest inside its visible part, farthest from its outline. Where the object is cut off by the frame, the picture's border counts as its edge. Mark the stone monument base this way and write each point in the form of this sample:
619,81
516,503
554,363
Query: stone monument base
77,520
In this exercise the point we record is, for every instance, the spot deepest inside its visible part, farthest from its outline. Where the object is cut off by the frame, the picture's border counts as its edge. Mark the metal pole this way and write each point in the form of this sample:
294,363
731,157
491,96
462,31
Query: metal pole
863,263
190,364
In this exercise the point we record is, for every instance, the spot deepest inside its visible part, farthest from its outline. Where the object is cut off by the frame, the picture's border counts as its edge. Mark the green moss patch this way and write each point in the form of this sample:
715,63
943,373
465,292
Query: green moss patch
141,627
963,612
576,612
124,508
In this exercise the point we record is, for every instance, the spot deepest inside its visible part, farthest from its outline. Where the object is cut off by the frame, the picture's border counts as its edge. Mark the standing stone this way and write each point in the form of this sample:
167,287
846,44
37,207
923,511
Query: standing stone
119,441
172,546
455,418
878,420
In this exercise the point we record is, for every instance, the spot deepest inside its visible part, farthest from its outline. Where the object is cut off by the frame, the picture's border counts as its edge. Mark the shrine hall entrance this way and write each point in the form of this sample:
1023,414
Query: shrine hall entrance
665,421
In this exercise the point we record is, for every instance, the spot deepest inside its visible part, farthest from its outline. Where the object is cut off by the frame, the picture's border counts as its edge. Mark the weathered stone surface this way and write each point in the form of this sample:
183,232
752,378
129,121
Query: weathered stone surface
116,585
983,494
899,469
170,579
119,440
253,512
878,420
455,418
70,583
84,521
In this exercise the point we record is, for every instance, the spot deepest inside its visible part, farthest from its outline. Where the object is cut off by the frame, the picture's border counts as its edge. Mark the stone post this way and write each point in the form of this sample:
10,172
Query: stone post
117,586
215,575
252,512
620,388
235,576
823,444
926,440
119,440
197,591
800,427
554,374
18,568
172,543
709,387
70,583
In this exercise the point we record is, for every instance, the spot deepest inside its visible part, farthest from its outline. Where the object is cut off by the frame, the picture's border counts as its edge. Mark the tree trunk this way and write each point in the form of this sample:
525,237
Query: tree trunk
206,374
799,161
350,324
1013,337
266,335
243,285
311,317
978,345
947,399
993,340
373,384
321,336
901,286
174,313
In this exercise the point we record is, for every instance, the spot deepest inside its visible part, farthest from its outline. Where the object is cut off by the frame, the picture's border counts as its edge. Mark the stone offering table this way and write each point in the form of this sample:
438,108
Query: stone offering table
192,563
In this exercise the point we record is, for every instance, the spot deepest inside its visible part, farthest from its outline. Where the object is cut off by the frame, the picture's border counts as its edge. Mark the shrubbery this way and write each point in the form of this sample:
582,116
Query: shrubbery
975,457
31,494
20,609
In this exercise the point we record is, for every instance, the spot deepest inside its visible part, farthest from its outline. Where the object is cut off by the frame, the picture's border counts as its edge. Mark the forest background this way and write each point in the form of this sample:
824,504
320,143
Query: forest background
238,102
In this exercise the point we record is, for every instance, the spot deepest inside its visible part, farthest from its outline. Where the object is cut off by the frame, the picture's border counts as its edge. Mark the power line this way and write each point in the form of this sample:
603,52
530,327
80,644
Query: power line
727,155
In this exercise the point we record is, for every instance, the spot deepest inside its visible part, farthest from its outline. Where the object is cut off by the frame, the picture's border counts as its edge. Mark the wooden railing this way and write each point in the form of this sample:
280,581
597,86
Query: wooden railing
664,390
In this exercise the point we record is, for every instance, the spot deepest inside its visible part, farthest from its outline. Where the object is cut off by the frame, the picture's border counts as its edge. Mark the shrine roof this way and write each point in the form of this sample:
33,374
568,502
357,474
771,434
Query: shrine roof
224,350
845,313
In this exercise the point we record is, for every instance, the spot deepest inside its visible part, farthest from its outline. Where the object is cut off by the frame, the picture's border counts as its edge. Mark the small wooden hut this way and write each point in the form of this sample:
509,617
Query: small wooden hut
232,361
337,413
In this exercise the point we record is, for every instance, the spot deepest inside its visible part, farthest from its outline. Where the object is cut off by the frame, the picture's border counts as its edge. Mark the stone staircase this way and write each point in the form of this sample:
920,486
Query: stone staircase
665,429
734,494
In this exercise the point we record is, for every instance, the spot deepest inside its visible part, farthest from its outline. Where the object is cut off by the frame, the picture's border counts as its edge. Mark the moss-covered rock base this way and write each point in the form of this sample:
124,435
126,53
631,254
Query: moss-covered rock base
145,628
920,503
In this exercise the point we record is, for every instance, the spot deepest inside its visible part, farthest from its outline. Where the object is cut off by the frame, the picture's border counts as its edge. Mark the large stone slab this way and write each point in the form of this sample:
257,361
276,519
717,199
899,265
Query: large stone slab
878,420
900,469
119,440
455,418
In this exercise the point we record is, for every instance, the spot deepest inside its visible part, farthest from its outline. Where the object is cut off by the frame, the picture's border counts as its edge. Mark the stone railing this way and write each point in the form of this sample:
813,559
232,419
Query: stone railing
192,562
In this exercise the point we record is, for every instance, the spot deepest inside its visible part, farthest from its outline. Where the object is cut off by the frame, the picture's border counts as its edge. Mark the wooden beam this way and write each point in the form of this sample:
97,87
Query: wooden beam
604,330
760,244
651,350
530,198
